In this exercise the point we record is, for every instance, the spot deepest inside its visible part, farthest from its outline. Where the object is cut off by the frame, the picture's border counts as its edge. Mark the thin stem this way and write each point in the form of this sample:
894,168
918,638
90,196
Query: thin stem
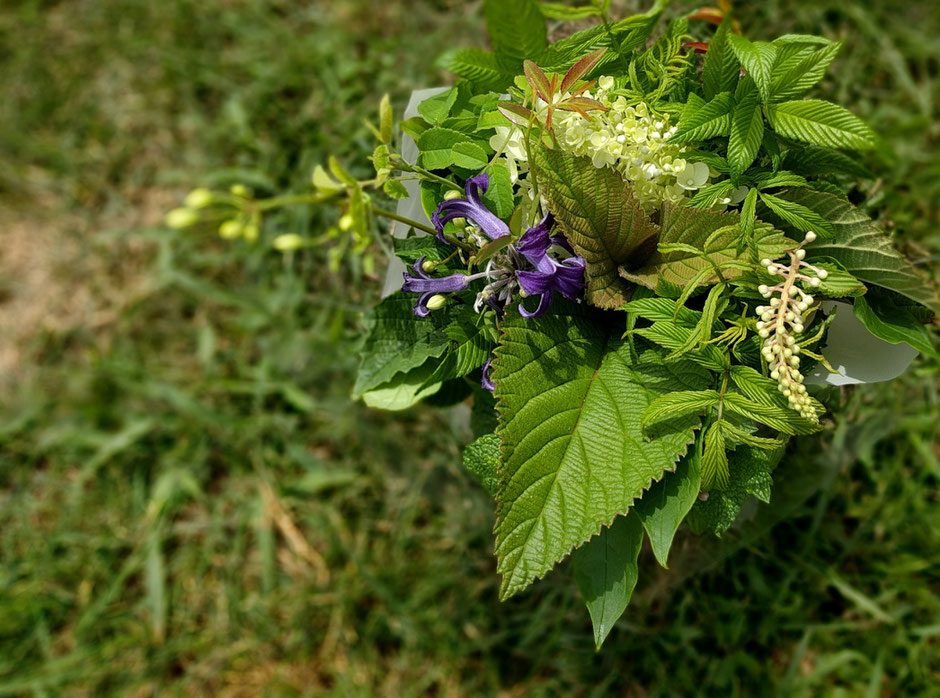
401,219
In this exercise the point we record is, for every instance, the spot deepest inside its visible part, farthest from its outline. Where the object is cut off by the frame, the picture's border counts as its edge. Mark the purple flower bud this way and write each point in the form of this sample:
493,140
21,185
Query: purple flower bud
472,208
428,286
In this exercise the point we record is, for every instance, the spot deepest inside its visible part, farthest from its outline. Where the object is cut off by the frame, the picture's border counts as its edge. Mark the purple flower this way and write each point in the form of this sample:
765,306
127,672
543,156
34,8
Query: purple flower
486,382
472,208
428,286
550,274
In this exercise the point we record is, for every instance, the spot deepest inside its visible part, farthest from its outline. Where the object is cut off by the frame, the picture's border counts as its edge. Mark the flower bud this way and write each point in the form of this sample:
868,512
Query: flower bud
288,242
240,190
798,328
764,290
822,274
452,194
251,232
428,266
459,223
345,222
181,218
810,236
814,282
231,229
766,263
198,198
800,254
436,302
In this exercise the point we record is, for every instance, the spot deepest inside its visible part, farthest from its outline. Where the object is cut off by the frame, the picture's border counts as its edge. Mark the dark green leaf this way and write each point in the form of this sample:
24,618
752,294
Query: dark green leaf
666,504
889,317
481,459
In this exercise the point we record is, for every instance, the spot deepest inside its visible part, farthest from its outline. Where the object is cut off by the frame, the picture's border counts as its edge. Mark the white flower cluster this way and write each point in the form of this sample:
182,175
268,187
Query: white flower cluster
783,319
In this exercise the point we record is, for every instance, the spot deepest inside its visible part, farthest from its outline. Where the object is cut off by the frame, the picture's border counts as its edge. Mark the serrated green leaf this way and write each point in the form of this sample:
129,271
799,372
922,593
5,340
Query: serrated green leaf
721,69
437,147
481,459
707,121
469,155
657,309
605,569
800,217
478,67
566,13
775,180
601,218
437,108
757,58
396,342
517,31
815,160
783,419
799,75
747,131
670,335
714,467
395,189
748,438
679,404
748,213
708,197
403,390
819,122
499,195
667,503
570,395
839,283
693,227
862,248
889,317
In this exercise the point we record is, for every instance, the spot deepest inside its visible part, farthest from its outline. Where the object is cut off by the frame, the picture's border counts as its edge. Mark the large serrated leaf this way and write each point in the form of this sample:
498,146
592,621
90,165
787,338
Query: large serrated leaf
802,72
747,131
860,246
757,59
721,68
517,31
605,569
601,218
479,67
707,121
570,395
819,122
666,504
692,227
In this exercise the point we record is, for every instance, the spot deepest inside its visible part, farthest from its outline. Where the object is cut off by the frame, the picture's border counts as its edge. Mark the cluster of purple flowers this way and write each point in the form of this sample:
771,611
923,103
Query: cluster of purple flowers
526,263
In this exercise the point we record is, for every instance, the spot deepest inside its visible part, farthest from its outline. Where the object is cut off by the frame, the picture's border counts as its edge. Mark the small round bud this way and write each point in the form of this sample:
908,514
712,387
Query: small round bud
800,254
428,266
775,374
802,305
810,236
798,328
794,361
436,302
789,316
772,271
345,222
763,289
791,341
231,229
198,198
460,223
240,190
814,282
774,302
452,194
808,300
766,263
788,352
251,232
822,274
764,333
793,290
181,218
288,242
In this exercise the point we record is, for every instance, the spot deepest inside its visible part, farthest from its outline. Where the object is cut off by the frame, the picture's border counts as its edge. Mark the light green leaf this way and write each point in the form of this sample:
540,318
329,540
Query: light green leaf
748,213
479,67
437,147
605,569
708,121
657,309
757,59
567,13
800,74
570,395
714,466
862,248
679,404
839,283
747,131
469,155
819,122
481,459
397,342
670,335
437,108
601,218
889,317
498,197
517,31
721,69
749,439
404,390
783,419
800,217
666,504
690,226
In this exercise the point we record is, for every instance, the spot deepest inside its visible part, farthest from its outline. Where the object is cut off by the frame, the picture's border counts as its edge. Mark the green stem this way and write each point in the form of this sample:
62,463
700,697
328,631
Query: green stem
401,219
425,174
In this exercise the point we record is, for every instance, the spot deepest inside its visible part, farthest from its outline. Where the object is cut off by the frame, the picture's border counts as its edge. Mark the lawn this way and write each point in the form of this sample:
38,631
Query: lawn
190,503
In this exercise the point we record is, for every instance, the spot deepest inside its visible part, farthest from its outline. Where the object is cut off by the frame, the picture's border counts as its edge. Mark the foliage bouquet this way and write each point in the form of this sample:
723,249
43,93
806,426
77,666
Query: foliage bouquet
628,261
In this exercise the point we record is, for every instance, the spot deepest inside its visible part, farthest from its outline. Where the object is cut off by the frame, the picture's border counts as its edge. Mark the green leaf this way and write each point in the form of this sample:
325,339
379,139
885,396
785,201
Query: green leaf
748,213
783,419
757,59
667,503
437,147
679,404
499,195
470,156
800,217
714,459
839,283
889,317
481,459
708,121
749,439
570,395
657,309
747,131
605,569
819,122
690,226
800,74
437,108
386,119
721,69
566,13
601,218
708,197
479,67
672,336
404,390
750,470
816,160
397,342
862,248
517,31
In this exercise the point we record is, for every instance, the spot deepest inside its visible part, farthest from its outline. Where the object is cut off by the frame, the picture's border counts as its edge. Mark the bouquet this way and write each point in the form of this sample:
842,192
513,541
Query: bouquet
636,256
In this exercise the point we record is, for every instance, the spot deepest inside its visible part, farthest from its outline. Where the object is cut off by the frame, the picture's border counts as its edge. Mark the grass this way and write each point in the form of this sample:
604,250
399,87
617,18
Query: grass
189,502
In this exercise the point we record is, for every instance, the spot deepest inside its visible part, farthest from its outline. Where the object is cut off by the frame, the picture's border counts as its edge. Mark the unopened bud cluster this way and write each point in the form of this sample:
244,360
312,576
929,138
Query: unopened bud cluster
783,319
